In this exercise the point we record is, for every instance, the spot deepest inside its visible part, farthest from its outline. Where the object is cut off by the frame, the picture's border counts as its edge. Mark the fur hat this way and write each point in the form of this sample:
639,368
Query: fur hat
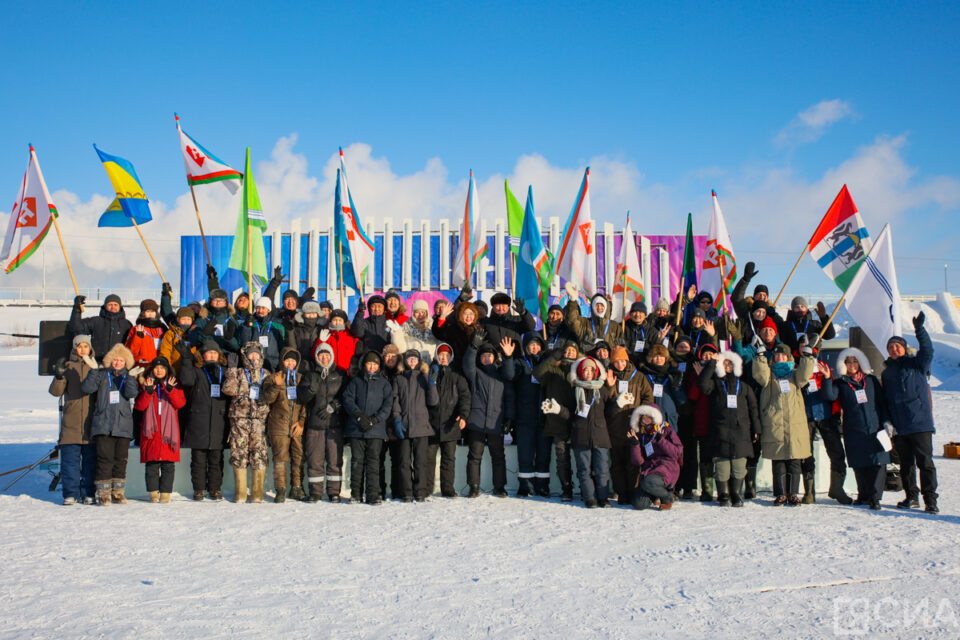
619,353
186,312
118,350
149,305
662,304
323,348
311,306
420,303
339,313
82,338
251,347
600,344
638,306
657,350
651,410
798,301
218,294
265,302
856,353
500,298
732,357
390,349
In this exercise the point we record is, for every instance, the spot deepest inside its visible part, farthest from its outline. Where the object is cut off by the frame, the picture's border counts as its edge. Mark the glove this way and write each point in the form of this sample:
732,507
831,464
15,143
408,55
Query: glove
277,275
465,293
361,306
169,386
210,328
182,348
366,423
624,399
166,289
229,330
139,331
332,407
149,388
478,336
550,406
233,360
806,350
324,335
572,292
211,272
60,368
392,326
918,321
749,271
433,375
136,371
307,295
519,306
399,429
508,426
90,362
822,311
78,302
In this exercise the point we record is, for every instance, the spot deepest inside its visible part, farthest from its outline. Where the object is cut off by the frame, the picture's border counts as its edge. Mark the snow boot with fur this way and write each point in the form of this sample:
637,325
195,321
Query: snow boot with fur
240,485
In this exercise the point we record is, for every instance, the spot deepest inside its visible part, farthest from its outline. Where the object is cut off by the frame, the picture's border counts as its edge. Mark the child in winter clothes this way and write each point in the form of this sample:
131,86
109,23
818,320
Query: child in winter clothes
629,384
248,414
367,401
337,335
78,453
414,390
656,449
144,337
160,398
285,425
112,427
320,390
205,421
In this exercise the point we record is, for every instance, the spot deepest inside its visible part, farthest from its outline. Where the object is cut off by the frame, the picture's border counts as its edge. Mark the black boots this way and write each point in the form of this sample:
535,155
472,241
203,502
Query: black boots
750,483
809,491
836,487
735,487
706,482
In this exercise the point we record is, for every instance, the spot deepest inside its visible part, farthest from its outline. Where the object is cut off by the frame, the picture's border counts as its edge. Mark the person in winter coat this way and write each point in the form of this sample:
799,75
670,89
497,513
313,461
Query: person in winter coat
702,329
367,403
180,327
734,423
533,447
448,419
635,333
344,345
656,449
144,337
552,374
320,391
305,330
660,323
910,406
786,438
108,328
285,425
800,321
500,323
415,333
598,327
216,322
262,328
457,331
205,421
115,387
290,303
78,453
243,383
695,433
160,399
395,310
555,330
371,330
657,369
491,405
631,389
592,390
414,392
864,413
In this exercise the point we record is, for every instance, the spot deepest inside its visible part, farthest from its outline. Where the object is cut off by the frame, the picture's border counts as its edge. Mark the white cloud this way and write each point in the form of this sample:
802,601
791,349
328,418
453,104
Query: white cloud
811,123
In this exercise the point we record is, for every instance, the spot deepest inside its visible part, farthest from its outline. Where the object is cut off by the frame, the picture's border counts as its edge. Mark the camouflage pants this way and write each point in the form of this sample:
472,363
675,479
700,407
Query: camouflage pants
248,444
287,449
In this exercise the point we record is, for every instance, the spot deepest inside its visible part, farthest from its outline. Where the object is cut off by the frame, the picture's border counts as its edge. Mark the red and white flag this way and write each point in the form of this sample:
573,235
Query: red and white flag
719,270
628,281
577,260
203,167
30,218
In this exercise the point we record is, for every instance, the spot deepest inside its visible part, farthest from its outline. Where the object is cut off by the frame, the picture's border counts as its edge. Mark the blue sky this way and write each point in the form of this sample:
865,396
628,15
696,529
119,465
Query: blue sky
774,105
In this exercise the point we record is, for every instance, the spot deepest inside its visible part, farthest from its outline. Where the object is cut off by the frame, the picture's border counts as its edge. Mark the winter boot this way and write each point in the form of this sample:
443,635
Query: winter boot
240,485
117,494
256,485
154,496
836,487
909,503
809,490
750,484
281,495
523,491
723,499
198,496
779,489
296,492
795,498
706,482
103,493
735,487
567,494
164,498
216,495
474,492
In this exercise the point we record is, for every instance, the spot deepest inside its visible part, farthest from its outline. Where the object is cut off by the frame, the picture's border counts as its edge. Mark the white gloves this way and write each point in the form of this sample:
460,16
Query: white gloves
550,406
324,335
392,326
90,362
624,399
136,371
572,292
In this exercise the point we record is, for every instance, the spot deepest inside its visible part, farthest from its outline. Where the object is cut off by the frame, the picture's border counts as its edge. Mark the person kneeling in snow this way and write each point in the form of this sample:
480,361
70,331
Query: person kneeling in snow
656,449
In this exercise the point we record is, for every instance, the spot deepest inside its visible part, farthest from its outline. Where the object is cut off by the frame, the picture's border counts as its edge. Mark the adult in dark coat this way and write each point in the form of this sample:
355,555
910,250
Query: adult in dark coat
552,374
455,326
864,412
502,324
107,328
320,390
556,331
304,330
800,321
414,392
656,368
533,447
205,425
636,334
910,406
367,402
216,322
263,328
448,419
372,329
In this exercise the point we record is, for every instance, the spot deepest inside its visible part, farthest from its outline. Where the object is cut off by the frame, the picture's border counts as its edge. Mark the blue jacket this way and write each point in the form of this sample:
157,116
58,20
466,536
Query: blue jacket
861,422
369,395
111,419
907,391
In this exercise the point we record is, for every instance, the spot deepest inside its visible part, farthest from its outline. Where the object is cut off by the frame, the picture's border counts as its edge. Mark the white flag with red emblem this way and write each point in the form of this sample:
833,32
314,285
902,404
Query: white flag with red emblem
719,270
30,218
576,259
203,167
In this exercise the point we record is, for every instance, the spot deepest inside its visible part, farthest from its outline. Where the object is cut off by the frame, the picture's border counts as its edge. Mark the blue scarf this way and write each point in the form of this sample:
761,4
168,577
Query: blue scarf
782,369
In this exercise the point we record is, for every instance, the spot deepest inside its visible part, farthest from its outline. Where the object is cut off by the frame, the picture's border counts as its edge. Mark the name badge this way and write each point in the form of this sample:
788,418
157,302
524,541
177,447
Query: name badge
583,413
114,397
682,367
731,401
264,341
291,393
658,390
817,411
784,386
861,396
638,346
648,449
666,342
218,331
214,391
622,386
533,380
254,393
156,343
812,385
159,407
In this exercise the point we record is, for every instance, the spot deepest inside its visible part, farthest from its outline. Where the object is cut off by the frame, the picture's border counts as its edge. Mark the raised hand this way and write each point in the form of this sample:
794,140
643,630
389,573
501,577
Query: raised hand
507,346
519,305
918,321
821,310
749,271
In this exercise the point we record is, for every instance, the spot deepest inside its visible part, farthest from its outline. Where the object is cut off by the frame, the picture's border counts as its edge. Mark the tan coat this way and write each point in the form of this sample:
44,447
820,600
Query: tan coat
785,433
284,413
77,406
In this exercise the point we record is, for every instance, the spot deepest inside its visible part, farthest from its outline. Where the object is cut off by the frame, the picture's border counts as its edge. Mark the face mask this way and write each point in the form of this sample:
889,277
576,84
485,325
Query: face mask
782,369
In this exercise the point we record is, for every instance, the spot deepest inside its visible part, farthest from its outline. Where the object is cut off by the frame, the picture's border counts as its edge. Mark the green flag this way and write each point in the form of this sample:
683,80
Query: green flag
689,270
514,219
248,238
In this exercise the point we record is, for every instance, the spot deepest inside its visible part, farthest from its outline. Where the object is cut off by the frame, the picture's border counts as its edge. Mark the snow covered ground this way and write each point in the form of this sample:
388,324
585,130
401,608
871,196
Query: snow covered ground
464,568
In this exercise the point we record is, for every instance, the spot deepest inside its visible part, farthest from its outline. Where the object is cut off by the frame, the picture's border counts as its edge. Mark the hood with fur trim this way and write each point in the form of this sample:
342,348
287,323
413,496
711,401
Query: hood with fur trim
444,344
737,361
606,308
121,351
248,348
577,381
324,347
651,410
856,353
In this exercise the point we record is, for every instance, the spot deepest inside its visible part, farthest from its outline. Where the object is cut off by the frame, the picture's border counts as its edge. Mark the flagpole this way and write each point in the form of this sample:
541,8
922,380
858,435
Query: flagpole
802,253
513,272
676,327
144,240
250,262
343,304
203,236
65,256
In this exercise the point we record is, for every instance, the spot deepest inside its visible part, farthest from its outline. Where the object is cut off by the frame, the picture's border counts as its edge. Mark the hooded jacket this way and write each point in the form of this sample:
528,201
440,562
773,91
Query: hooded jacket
412,398
371,395
667,456
320,388
552,371
76,417
105,329
344,347
785,435
454,402
491,394
587,412
237,383
861,421
269,333
143,340
302,335
906,390
732,429
284,411
618,419
171,337
205,420
112,419
594,329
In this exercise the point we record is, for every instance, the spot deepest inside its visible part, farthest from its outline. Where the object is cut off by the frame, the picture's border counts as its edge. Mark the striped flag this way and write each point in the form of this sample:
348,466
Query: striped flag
248,238
576,261
133,205
628,281
515,216
30,218
203,167
841,241
534,269
473,246
719,270
351,242
873,297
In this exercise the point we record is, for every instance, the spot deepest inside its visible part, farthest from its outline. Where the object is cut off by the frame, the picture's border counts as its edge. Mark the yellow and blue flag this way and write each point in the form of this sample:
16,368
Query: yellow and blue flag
131,203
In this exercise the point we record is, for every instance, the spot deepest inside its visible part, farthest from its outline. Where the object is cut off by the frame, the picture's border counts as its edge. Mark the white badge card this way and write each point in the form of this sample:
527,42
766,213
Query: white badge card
291,393
884,439
254,393
583,413
264,341
648,449
812,385
214,391
657,390
817,410
861,396
638,346
218,331
731,401
784,386
156,343
114,397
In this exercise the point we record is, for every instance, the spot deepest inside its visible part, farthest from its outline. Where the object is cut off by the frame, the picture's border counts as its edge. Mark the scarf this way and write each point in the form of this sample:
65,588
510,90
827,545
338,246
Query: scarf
782,369
581,389
858,377
166,422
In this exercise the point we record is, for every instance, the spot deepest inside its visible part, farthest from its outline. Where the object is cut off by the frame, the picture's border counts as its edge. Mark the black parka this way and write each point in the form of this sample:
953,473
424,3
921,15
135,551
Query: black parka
205,425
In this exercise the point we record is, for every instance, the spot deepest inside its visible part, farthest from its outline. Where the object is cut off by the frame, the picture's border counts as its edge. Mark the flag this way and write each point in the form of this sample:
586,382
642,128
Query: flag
250,227
534,267
719,269
203,167
576,262
473,246
689,270
132,202
357,249
873,297
841,240
515,218
627,282
30,218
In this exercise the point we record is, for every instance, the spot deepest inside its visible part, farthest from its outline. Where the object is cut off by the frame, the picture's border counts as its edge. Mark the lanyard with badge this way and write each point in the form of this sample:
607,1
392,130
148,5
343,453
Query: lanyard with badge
291,388
805,326
647,445
264,339
657,387
638,343
254,388
624,385
861,394
115,394
731,397
214,388
593,323
533,379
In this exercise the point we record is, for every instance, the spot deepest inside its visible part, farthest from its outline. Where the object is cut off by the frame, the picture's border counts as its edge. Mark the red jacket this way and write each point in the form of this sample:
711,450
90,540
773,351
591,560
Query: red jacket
701,404
144,349
343,344
160,422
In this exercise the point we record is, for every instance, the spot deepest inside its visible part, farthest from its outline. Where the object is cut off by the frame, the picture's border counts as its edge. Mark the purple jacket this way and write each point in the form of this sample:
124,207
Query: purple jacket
666,459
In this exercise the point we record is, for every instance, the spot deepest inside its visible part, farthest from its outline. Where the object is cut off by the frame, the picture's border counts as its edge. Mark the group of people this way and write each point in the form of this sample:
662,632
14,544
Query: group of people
675,404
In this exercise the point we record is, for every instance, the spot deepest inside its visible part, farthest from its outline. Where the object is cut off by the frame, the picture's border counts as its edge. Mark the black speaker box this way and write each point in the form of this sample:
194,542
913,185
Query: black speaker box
55,343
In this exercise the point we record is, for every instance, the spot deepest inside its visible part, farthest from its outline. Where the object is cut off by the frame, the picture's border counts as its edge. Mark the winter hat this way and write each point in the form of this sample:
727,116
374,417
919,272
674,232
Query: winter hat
683,339
486,347
324,348
735,359
662,305
856,353
898,340
289,293
392,293
311,307
326,305
81,338
638,306
421,304
372,356
390,348
242,294
704,296
159,361
657,350
784,349
798,301
555,307
500,298
759,304
444,347
112,298
197,308
291,352
618,353
218,294
265,302
698,313
119,351
186,312
533,337
602,299
411,353
149,305
581,365
600,344
760,288
376,300
651,410
482,307
338,313
210,345
706,348
768,323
